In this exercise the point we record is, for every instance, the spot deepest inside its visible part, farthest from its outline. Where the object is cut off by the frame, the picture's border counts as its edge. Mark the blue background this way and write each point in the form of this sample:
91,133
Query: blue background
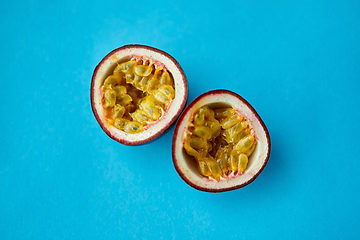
296,62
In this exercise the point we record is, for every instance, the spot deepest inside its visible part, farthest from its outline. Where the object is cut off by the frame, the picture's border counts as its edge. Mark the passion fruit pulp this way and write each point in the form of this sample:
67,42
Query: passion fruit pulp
220,142
137,92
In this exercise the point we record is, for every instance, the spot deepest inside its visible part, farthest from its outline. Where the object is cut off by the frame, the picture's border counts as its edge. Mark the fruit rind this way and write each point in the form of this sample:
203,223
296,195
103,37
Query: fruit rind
104,68
188,170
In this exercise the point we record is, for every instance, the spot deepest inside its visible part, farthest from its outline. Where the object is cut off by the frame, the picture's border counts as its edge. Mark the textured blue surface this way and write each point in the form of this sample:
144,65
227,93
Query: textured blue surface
296,62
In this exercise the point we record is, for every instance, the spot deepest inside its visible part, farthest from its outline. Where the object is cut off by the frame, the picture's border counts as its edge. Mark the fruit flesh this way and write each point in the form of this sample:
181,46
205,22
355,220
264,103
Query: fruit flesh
136,94
221,142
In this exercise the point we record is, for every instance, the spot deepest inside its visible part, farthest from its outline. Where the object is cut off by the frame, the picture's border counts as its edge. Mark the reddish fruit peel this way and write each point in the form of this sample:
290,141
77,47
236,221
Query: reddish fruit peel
187,167
123,54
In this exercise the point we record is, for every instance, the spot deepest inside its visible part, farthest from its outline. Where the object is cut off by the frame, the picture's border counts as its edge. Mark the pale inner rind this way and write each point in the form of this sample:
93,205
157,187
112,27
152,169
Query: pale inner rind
185,162
125,55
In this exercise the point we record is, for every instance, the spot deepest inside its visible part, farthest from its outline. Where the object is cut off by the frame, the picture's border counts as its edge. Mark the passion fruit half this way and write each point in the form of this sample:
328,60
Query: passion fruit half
137,92
220,142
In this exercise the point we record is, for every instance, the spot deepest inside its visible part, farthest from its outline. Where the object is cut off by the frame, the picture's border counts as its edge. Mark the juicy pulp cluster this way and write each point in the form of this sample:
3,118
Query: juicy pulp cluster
136,94
221,142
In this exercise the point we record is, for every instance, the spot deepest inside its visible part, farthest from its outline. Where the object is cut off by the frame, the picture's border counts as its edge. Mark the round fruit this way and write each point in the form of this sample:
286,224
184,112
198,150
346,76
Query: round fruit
220,142
137,92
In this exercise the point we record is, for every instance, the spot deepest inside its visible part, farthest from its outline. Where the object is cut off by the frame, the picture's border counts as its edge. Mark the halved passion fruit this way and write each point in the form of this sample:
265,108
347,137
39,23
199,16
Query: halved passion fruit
137,92
220,142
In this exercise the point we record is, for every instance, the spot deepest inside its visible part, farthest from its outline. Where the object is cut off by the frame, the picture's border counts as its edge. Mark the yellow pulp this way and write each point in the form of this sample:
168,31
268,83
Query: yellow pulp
136,94
220,140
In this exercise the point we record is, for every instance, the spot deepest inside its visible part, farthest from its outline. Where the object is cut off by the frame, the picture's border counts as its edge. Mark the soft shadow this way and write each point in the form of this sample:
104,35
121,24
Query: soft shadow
267,184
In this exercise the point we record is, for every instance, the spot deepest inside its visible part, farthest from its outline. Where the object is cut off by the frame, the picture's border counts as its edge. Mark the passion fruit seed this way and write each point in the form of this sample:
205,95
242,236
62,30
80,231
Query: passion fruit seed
220,140
110,98
136,94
